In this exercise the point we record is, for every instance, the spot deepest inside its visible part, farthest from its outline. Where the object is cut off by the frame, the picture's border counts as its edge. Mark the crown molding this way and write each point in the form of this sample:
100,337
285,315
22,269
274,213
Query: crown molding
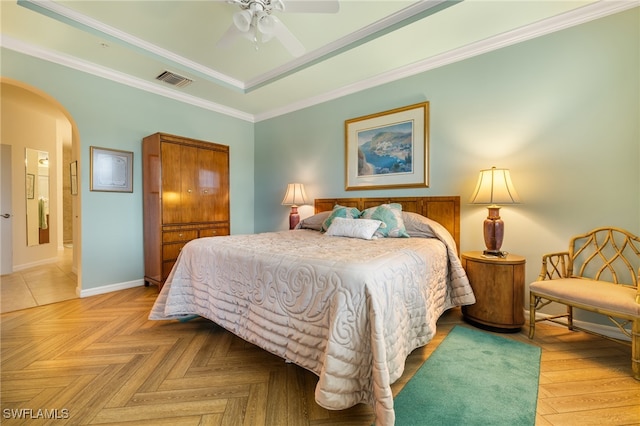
78,20
569,19
119,77
563,21
401,18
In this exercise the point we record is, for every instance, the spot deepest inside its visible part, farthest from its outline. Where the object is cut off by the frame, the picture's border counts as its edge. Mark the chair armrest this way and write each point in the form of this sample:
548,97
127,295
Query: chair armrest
554,265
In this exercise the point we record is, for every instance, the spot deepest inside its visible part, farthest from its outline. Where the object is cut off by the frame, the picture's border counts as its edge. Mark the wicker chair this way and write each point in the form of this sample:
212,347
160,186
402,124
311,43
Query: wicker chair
599,273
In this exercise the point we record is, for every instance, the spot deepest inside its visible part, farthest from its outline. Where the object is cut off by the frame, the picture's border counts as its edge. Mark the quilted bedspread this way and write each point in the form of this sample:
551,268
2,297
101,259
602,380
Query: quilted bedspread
349,310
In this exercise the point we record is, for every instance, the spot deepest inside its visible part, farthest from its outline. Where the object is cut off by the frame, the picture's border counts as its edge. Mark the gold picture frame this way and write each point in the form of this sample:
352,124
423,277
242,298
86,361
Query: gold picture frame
388,149
111,170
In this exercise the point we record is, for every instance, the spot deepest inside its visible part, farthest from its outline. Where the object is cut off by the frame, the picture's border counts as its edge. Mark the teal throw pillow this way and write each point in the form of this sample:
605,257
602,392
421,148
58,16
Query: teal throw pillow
340,211
391,217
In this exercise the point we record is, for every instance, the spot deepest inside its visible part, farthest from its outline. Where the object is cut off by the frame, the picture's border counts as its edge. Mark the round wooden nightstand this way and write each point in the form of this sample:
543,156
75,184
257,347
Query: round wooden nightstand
498,284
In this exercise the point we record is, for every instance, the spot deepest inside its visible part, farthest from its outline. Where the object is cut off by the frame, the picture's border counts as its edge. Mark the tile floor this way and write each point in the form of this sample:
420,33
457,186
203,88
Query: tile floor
38,286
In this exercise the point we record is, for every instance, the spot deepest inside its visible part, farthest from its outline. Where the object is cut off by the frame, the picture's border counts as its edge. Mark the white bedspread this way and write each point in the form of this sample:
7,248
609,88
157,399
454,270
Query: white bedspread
349,310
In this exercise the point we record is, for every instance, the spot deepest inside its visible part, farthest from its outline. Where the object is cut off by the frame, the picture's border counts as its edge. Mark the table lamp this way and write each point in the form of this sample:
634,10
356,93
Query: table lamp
494,187
294,197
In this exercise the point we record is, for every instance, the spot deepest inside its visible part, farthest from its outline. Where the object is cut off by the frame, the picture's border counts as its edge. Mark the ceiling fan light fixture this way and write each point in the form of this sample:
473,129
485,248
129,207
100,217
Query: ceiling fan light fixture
277,5
256,22
267,26
242,20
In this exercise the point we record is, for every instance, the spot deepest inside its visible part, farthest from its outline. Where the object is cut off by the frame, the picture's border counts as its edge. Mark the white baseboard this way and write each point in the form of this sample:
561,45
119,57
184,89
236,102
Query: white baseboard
110,288
42,262
607,330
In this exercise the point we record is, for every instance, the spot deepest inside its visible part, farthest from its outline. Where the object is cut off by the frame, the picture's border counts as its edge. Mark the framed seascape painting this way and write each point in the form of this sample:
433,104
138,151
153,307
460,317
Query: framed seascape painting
111,170
389,149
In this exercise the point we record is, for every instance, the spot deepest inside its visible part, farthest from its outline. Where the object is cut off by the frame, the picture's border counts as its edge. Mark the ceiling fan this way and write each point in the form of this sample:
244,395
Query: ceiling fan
256,21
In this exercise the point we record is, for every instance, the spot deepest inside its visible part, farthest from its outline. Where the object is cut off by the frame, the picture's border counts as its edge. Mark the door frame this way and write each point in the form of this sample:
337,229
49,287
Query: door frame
6,207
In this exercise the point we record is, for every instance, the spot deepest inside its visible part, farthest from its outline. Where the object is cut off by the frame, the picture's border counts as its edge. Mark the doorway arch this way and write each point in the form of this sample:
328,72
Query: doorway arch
31,100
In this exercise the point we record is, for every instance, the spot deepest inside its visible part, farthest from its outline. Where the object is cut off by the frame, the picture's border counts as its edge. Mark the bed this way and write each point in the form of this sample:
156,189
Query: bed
348,309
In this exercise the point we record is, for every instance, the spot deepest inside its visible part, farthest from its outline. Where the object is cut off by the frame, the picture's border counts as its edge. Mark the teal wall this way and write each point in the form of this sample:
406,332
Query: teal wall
116,116
561,111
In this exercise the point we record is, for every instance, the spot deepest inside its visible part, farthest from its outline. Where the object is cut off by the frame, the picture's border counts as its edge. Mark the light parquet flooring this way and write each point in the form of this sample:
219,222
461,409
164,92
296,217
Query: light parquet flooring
99,360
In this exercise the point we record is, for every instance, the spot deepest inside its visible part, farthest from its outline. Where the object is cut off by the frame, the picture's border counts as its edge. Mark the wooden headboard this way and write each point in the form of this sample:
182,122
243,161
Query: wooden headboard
444,210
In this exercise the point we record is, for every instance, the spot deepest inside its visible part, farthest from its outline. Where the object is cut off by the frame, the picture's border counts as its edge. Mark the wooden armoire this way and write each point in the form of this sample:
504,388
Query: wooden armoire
186,196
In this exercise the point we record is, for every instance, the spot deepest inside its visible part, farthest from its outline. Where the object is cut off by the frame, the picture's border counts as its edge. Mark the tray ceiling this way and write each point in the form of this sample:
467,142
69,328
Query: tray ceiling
364,44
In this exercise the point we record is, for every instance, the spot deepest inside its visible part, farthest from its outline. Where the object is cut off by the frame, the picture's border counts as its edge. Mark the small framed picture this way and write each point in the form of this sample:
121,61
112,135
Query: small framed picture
388,149
111,170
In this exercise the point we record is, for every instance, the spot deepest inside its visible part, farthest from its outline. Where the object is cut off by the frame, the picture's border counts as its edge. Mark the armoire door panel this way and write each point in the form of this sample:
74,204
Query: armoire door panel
214,184
189,196
208,181
171,183
221,201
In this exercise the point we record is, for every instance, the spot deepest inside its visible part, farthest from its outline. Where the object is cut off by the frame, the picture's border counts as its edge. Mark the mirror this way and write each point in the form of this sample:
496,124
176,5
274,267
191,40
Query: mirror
37,196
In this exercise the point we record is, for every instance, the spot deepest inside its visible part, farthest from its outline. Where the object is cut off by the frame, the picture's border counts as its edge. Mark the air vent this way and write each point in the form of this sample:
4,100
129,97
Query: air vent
174,79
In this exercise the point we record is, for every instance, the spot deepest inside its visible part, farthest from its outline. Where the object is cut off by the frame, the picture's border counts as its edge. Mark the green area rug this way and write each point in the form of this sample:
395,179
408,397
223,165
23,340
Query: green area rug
473,378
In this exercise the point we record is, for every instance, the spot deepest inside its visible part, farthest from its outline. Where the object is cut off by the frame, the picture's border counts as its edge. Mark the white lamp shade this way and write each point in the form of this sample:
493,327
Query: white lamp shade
242,20
266,26
495,187
266,23
278,5
295,195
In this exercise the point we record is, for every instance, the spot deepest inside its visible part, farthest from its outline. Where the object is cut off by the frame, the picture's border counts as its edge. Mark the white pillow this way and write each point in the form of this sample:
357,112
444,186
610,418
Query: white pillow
354,228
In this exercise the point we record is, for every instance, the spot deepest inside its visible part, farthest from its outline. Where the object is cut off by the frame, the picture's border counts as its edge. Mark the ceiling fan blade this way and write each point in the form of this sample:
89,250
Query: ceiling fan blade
286,37
311,6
